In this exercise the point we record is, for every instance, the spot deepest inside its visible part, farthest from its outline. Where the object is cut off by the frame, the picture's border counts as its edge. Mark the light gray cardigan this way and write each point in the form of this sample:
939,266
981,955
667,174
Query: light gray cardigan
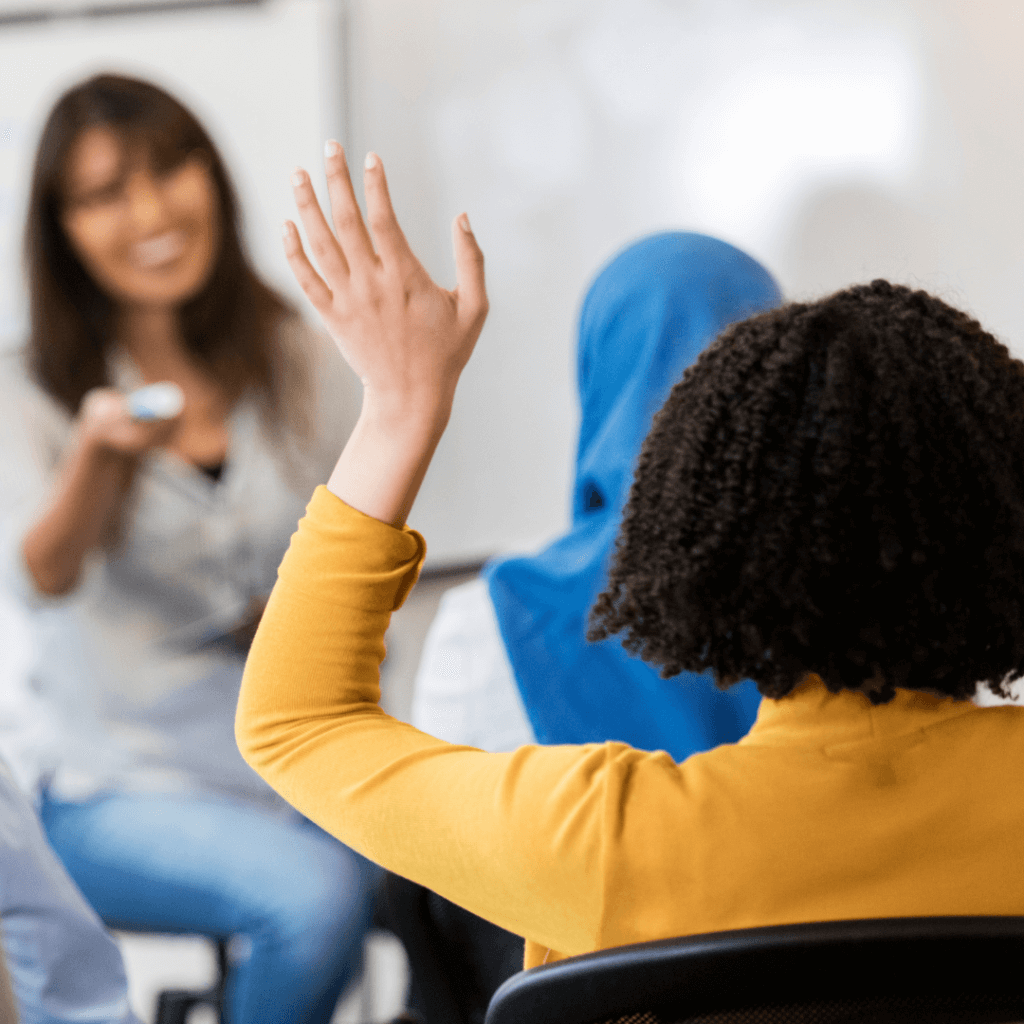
135,670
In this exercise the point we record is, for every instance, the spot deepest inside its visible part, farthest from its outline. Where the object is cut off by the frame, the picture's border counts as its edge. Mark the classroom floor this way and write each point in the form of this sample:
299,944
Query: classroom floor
156,962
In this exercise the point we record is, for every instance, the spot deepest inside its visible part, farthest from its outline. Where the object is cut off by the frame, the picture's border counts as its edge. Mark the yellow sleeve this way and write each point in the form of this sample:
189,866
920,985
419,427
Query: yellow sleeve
517,838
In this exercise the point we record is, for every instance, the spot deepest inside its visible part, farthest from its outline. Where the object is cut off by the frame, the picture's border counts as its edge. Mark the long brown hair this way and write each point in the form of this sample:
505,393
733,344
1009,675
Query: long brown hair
230,327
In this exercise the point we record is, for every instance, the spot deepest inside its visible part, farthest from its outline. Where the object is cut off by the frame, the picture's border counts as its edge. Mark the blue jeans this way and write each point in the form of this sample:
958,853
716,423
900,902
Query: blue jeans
218,867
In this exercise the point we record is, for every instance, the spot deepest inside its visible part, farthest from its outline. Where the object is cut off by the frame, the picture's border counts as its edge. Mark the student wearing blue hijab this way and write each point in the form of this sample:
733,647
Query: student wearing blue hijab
506,661
646,318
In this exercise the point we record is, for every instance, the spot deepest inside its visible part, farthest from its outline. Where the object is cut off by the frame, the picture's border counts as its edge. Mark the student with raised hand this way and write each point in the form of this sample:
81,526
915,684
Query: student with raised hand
145,547
829,503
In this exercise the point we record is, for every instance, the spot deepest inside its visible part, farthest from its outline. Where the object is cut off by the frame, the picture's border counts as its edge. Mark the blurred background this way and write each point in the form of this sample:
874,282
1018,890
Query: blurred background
835,140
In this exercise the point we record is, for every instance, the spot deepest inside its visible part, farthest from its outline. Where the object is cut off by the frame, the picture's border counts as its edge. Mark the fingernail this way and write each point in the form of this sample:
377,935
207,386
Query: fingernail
332,148
298,176
371,161
464,223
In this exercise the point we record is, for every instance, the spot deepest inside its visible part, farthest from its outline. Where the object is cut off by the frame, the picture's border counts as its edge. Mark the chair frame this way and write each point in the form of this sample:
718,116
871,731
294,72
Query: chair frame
783,965
173,1005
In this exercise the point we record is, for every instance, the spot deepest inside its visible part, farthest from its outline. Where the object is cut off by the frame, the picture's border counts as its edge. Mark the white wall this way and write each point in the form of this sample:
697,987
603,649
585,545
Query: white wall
836,141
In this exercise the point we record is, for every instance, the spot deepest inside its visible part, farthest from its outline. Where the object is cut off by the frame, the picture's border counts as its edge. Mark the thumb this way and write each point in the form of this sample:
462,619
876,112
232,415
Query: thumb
469,272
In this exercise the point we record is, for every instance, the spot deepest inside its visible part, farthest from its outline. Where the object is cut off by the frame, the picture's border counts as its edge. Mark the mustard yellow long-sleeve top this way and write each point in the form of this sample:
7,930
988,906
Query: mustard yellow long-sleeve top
830,808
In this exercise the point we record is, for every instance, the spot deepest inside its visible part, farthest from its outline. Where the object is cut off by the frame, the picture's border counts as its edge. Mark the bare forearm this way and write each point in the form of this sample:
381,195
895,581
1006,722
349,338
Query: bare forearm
86,493
386,458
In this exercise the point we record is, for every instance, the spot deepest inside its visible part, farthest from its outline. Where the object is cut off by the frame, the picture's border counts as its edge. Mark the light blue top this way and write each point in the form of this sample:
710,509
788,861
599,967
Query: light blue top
647,316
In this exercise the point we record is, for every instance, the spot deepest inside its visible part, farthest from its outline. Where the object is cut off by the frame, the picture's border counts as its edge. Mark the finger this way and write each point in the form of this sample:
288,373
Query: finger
469,272
387,235
322,243
309,280
348,221
157,433
104,404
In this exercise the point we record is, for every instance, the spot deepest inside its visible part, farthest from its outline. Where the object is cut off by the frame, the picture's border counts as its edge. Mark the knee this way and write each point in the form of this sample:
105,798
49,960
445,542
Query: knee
313,913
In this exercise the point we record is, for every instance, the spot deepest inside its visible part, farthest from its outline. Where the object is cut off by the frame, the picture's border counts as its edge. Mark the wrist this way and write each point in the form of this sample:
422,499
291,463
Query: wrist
388,453
93,452
410,416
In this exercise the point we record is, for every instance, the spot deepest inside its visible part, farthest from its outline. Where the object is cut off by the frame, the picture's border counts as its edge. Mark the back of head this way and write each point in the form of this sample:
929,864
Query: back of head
834,487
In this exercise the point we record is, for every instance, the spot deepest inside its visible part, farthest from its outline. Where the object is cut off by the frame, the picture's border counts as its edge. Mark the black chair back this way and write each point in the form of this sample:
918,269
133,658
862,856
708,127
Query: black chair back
939,970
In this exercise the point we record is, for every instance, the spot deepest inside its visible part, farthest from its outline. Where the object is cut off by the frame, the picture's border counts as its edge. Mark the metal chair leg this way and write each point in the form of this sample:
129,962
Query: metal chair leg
173,1004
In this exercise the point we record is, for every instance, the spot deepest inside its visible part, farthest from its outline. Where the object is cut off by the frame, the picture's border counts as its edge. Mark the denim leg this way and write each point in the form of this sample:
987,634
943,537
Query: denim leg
213,866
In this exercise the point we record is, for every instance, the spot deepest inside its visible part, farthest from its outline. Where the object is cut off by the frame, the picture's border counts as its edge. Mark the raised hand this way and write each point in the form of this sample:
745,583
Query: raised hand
403,335
407,338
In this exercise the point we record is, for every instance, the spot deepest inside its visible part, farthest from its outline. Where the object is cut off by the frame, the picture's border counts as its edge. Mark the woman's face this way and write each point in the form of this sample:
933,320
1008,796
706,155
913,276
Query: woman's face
147,237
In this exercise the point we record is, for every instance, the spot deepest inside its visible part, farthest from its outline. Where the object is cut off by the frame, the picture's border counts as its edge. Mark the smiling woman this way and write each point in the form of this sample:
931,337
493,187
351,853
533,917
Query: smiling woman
144,234
133,232
146,547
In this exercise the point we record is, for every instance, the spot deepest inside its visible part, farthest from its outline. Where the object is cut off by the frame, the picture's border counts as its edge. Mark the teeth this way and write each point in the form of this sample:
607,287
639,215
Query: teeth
159,250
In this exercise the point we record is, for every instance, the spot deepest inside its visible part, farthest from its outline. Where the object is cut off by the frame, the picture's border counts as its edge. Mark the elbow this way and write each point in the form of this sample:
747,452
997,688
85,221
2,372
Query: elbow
52,585
48,580
243,739
249,740
261,732
251,737
260,735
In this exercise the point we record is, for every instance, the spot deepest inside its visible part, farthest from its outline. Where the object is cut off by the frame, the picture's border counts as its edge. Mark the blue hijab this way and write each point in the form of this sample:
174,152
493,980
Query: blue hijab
647,316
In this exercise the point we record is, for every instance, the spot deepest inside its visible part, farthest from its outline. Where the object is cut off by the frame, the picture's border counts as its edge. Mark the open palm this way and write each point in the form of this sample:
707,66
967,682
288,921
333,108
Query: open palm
405,337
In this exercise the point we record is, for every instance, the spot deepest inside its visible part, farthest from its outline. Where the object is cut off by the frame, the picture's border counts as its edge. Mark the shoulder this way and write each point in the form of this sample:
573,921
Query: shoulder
17,379
313,367
299,339
295,332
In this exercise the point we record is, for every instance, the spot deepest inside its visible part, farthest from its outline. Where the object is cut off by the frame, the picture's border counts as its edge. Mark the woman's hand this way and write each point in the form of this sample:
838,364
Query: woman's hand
91,484
406,338
106,426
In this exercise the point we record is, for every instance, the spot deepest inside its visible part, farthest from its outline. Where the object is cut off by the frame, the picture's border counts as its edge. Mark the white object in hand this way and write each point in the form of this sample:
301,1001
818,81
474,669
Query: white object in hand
161,401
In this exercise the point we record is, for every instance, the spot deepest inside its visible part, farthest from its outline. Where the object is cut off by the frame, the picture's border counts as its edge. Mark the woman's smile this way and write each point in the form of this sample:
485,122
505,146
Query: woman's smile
159,251
147,235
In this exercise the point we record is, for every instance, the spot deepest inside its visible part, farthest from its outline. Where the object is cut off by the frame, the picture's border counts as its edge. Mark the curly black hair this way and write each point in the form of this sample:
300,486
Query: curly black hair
834,487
